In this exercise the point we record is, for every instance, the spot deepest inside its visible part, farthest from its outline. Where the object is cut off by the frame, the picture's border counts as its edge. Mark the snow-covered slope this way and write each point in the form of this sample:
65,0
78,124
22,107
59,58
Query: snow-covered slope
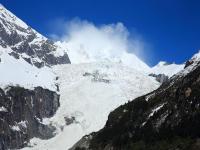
166,69
78,54
169,112
17,72
10,17
190,65
88,93
25,55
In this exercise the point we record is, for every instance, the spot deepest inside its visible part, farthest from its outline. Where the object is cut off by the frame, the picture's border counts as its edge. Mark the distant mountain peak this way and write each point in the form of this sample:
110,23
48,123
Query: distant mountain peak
166,68
1,6
194,60
162,63
79,53
9,16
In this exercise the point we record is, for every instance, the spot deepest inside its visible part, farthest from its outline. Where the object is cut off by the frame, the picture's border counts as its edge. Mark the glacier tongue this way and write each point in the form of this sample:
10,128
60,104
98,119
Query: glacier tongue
88,93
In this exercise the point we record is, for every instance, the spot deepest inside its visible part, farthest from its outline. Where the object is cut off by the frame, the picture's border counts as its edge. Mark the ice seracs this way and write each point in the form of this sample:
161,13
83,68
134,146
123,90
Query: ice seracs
86,100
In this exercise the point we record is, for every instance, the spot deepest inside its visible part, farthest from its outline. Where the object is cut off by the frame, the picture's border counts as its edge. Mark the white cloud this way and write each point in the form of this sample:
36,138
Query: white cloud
94,42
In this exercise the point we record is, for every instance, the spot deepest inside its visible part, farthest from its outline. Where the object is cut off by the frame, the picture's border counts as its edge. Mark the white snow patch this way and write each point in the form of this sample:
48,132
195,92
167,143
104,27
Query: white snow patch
3,109
60,50
10,17
149,96
17,72
195,62
167,69
15,128
155,110
23,124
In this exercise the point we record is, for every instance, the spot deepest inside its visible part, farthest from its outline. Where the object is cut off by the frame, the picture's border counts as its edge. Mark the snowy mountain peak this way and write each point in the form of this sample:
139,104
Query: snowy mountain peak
167,69
191,64
27,43
194,60
1,7
162,63
26,55
82,52
7,15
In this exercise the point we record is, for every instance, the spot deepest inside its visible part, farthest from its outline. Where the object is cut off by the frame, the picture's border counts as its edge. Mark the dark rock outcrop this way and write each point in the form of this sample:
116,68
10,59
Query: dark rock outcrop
21,113
188,63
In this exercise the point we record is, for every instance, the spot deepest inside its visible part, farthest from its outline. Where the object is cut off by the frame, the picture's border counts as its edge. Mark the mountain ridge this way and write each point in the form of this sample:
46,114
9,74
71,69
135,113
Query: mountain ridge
22,39
69,90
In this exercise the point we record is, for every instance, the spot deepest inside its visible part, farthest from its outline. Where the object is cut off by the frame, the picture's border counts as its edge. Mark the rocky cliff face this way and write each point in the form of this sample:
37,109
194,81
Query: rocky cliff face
21,113
166,119
23,107
27,43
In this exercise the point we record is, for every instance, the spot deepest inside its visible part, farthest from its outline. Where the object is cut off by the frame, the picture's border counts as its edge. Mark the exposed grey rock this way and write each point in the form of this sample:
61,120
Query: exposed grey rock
69,120
25,111
162,78
14,54
188,63
87,74
97,77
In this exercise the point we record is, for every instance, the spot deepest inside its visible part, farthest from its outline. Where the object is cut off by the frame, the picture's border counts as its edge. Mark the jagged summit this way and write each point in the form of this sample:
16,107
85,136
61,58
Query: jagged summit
9,16
193,61
27,43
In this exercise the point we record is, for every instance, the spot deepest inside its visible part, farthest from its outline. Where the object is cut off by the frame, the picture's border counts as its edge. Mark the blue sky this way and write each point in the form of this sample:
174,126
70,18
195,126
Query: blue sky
170,28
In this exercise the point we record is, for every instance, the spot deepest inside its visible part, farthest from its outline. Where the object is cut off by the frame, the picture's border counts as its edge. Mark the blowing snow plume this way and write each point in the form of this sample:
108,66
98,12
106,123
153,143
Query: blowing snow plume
87,42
